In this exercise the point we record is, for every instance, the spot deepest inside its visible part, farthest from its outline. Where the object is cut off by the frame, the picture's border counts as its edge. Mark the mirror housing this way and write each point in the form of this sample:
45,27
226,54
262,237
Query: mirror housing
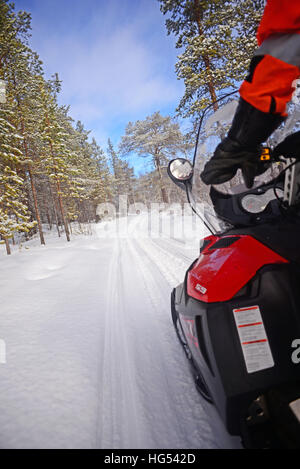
180,171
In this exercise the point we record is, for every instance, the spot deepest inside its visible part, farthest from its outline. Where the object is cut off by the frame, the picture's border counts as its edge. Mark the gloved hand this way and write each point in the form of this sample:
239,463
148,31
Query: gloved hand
289,147
242,148
229,156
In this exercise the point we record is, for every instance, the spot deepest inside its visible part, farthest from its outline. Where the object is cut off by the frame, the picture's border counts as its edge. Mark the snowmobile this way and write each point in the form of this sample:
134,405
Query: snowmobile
237,312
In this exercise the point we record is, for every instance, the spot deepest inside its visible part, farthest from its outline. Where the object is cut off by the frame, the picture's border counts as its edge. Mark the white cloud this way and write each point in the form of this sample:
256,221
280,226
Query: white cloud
116,72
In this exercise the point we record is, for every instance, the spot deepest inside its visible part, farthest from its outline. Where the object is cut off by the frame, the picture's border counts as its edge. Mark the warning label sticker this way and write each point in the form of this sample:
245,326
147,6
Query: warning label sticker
253,338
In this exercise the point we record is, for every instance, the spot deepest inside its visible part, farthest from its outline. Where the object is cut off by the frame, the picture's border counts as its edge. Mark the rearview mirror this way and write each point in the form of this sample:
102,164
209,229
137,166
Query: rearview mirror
180,171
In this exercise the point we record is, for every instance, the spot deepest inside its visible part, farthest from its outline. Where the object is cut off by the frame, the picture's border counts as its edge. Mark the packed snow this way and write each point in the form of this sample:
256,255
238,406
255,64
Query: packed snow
88,354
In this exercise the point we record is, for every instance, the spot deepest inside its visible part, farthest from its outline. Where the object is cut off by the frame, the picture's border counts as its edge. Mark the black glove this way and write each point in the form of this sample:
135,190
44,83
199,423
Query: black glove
289,147
242,148
229,156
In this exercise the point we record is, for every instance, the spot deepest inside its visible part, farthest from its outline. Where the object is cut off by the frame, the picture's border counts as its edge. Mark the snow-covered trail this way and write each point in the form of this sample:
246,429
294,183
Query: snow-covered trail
92,358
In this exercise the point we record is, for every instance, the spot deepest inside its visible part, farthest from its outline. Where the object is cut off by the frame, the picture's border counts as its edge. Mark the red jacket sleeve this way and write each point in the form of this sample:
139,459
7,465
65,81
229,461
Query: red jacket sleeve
280,17
276,63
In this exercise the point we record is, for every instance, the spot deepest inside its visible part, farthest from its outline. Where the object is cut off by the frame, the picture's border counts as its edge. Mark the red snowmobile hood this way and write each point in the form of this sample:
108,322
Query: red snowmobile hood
226,265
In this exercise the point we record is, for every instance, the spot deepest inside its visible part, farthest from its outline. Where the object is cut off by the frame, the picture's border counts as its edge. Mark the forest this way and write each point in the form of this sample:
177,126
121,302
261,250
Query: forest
53,175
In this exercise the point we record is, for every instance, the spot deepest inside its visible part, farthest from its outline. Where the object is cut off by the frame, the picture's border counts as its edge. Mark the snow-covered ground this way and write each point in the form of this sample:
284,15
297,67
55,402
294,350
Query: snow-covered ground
92,360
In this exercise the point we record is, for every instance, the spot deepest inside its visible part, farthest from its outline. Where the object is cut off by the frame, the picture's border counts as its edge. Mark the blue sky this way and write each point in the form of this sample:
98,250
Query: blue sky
113,56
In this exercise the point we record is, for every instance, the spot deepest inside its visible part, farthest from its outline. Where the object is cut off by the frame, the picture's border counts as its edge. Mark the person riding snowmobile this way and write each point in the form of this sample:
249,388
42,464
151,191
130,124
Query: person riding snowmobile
264,96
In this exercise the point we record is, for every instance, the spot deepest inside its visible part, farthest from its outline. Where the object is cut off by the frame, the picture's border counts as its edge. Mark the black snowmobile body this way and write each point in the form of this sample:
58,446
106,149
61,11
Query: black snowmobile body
237,315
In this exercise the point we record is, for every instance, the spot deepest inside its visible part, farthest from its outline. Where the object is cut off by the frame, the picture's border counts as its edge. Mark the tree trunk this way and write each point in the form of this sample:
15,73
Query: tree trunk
54,209
58,187
37,212
7,246
34,194
49,220
164,193
62,207
206,60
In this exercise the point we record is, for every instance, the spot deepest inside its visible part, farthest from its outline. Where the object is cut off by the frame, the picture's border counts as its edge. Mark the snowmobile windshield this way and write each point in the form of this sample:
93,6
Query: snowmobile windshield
213,129
202,202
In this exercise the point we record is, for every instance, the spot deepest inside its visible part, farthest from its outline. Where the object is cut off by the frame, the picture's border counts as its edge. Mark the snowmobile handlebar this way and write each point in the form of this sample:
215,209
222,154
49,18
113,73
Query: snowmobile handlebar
256,205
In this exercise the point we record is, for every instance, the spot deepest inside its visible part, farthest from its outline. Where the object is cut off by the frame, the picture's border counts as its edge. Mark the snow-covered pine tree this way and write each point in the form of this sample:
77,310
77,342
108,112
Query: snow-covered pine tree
115,164
104,181
157,137
91,175
123,174
217,40
14,29
20,72
56,153
14,216
64,175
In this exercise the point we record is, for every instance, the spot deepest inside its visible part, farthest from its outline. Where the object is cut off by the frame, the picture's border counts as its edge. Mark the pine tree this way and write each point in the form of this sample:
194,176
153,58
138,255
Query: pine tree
56,153
218,39
49,171
91,173
14,30
158,138
21,71
123,174
115,164
14,216
103,188
17,66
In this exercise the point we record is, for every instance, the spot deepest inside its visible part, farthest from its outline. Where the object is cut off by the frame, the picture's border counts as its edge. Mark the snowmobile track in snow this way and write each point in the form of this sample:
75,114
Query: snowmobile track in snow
117,386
